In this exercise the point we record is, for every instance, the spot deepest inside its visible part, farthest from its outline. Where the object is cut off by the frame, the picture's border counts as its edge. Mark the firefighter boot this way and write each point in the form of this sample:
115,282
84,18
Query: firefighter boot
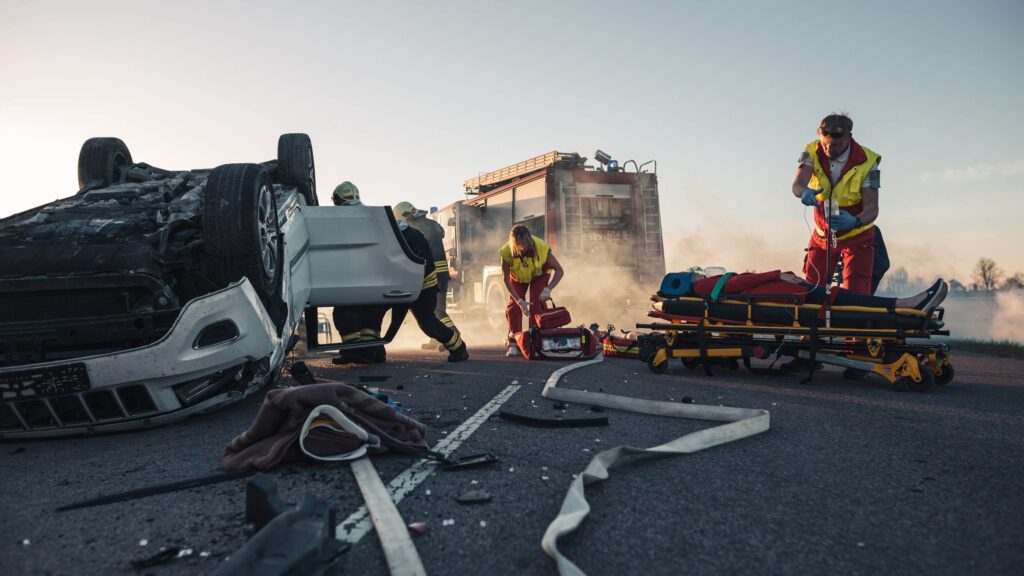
459,354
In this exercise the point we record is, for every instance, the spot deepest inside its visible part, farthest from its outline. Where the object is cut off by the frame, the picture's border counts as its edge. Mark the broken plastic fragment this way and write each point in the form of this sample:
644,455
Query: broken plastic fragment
418,528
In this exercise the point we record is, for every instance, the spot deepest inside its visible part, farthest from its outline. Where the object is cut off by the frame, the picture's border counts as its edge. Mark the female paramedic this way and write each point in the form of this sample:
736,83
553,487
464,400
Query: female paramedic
525,262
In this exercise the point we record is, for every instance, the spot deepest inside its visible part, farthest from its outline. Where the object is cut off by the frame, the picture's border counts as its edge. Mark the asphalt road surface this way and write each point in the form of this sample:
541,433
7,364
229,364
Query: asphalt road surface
852,478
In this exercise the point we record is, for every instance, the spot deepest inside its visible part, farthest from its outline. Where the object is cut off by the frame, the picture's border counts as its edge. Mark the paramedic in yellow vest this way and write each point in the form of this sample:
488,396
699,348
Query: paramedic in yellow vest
525,262
835,166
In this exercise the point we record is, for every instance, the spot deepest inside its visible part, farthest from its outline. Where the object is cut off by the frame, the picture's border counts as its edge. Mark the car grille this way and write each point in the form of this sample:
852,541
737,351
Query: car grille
81,409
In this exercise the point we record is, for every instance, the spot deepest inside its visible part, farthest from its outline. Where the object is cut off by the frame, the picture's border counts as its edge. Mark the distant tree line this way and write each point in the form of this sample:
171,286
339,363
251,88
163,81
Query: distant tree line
987,276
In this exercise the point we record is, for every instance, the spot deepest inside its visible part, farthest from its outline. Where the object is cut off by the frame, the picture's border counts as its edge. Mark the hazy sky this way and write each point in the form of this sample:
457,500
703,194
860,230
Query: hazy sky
409,99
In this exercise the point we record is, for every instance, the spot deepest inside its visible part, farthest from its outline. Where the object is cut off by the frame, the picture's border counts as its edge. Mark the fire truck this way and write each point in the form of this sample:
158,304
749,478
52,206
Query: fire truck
603,223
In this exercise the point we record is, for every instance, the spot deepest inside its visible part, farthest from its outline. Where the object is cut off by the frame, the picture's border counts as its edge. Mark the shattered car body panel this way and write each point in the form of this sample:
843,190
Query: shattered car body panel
116,313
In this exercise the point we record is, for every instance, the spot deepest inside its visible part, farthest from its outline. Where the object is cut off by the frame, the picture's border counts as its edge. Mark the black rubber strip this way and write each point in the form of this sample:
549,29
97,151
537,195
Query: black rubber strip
553,422
157,489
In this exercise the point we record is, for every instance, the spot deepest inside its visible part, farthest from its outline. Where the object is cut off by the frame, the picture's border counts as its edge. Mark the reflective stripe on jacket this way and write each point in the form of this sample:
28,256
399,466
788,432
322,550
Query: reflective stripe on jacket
526,268
847,191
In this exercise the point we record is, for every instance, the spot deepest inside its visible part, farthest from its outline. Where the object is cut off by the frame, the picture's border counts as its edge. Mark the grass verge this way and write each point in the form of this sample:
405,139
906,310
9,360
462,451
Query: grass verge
1002,348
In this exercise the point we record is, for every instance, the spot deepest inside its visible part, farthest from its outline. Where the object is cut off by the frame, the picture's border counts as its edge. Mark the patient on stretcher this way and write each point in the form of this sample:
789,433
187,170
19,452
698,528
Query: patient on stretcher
787,283
785,287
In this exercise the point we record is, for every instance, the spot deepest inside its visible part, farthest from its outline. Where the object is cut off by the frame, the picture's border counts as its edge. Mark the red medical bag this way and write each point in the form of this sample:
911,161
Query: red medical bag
557,344
554,317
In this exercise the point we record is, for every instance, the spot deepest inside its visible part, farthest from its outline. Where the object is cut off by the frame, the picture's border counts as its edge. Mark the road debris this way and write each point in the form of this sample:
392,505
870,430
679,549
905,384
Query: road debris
164,556
418,528
553,422
474,497
157,489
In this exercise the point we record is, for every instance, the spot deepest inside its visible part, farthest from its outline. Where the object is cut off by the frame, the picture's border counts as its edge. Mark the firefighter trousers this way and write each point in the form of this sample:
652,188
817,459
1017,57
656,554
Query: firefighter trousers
423,311
441,309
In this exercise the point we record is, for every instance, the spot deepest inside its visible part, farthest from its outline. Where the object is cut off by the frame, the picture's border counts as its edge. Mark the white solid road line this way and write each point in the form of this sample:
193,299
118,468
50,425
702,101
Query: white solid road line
358,524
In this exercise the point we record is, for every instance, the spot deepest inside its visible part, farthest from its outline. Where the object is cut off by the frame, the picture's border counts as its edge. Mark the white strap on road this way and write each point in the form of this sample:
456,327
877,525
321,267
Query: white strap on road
741,423
399,551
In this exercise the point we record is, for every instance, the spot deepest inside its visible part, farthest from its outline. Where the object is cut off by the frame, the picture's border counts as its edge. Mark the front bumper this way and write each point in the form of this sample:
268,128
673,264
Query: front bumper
184,373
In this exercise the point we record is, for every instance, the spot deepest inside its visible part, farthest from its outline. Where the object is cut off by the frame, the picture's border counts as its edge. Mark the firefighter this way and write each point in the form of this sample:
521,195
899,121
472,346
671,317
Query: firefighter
434,233
525,263
346,194
835,166
423,308
357,323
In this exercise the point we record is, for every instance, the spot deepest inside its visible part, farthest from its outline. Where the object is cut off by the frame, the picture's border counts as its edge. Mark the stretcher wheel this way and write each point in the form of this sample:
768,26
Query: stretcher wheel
927,380
657,368
946,376
691,363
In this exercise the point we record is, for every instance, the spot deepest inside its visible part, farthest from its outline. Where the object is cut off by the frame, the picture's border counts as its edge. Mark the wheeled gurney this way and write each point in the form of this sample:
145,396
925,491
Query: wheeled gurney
733,328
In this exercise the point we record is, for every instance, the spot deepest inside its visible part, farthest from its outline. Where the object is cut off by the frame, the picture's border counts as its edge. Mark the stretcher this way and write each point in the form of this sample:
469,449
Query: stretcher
725,331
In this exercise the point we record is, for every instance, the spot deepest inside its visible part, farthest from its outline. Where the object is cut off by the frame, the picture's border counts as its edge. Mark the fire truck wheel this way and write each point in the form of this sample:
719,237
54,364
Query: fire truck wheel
495,299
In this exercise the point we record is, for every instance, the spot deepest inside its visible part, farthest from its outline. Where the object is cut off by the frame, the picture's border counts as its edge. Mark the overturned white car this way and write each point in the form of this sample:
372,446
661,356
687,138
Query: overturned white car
153,294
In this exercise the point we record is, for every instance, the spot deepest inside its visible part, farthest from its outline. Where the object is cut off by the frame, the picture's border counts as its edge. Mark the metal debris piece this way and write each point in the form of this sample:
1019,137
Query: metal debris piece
471,461
474,497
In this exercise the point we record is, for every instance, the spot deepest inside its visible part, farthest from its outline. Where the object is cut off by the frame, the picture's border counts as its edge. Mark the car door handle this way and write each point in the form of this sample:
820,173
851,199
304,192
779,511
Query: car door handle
397,294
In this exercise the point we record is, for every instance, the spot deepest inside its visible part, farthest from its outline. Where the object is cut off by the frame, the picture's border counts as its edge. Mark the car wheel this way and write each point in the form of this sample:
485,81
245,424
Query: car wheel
295,165
240,229
102,159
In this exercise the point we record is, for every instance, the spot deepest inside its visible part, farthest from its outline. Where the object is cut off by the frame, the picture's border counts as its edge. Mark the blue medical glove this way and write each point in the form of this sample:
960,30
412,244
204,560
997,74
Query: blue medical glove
843,221
808,196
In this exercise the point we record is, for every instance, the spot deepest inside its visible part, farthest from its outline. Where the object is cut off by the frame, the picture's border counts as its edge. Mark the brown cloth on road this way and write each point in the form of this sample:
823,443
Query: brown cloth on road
273,436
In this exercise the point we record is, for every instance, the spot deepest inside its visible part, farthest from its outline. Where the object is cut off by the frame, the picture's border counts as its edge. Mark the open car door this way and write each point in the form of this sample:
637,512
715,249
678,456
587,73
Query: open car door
356,256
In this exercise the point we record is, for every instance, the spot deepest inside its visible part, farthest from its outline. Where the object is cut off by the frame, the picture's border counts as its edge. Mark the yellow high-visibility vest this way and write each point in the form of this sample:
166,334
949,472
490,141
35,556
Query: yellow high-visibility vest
525,269
846,192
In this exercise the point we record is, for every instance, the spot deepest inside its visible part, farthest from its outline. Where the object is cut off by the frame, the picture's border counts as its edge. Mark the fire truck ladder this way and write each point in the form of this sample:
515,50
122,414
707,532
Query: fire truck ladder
651,223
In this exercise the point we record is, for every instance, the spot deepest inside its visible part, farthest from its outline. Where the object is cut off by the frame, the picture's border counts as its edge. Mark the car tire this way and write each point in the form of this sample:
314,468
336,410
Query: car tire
240,230
295,165
102,159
